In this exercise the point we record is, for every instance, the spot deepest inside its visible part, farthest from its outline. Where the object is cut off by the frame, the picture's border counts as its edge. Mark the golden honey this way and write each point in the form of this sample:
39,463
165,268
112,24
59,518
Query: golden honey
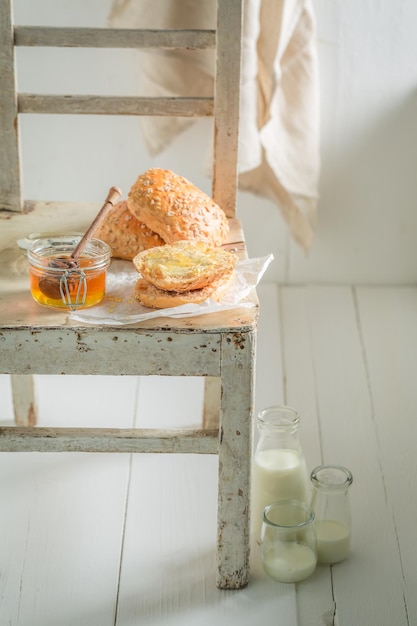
59,282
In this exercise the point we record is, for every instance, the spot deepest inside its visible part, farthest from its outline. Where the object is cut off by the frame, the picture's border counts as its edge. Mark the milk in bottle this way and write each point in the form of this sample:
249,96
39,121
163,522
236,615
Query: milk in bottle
332,511
279,469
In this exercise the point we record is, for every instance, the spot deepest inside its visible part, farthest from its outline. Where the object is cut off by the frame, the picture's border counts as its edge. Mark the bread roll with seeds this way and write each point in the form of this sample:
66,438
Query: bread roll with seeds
150,296
125,234
184,265
175,209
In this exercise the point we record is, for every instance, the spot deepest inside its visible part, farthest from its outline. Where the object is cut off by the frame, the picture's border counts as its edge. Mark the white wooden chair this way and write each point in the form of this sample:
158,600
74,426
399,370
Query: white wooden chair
220,347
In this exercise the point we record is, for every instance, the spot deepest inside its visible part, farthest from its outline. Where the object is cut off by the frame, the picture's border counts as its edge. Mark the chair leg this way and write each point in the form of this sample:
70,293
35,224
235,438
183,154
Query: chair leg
211,407
24,400
235,454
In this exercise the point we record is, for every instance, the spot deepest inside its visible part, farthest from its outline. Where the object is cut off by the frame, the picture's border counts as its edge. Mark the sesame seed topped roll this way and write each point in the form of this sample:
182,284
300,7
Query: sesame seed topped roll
175,209
126,235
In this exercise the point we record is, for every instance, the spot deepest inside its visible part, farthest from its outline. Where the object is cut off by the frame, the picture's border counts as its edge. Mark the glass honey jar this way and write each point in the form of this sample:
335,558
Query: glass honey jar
60,282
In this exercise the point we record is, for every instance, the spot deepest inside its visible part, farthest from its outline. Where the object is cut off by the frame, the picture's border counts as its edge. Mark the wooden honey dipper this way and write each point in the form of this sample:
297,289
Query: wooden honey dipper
50,285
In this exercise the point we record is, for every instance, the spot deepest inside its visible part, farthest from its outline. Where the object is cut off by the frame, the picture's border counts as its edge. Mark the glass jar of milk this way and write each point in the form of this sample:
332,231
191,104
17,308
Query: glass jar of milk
330,503
288,541
279,469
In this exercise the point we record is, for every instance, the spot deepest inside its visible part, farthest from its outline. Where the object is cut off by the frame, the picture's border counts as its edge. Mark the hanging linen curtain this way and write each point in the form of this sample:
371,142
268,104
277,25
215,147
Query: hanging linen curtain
279,151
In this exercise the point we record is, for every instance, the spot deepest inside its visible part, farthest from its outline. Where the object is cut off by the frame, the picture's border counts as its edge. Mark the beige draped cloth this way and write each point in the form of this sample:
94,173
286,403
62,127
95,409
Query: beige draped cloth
279,119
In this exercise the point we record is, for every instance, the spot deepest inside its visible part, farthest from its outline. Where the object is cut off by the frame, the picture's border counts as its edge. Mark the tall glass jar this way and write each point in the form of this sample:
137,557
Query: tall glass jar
330,502
279,469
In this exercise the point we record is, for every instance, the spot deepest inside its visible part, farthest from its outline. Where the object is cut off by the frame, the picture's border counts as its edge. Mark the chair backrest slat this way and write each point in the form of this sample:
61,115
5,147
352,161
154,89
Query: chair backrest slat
226,107
114,105
10,178
55,37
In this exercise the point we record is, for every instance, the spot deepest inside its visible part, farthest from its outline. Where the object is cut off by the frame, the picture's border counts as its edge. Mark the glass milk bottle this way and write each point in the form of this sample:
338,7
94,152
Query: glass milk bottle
279,470
330,503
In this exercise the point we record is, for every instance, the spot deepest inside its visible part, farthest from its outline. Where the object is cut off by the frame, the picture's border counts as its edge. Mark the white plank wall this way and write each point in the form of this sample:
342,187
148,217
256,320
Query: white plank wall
117,540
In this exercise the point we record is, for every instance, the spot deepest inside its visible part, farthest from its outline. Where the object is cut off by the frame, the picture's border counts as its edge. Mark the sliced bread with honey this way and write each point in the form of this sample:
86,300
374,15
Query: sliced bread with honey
184,265
150,296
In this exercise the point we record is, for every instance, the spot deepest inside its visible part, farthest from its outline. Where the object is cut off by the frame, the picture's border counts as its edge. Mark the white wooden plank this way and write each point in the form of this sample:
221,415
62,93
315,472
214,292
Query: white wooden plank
6,402
314,596
169,402
169,549
349,437
299,373
269,376
211,409
388,322
63,515
59,558
94,401
24,400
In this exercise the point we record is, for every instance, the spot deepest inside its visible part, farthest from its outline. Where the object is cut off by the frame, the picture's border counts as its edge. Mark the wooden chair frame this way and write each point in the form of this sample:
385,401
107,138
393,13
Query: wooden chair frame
220,347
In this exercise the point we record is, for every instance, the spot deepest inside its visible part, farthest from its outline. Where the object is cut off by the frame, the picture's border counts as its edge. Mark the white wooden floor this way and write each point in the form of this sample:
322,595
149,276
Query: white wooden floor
101,540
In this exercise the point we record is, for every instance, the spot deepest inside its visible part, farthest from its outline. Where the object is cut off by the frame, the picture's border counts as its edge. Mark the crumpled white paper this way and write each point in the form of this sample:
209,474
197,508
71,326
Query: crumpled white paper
119,306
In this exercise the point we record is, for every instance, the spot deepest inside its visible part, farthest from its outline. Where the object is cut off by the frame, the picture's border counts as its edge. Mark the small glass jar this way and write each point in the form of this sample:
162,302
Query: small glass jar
59,282
288,541
330,503
279,469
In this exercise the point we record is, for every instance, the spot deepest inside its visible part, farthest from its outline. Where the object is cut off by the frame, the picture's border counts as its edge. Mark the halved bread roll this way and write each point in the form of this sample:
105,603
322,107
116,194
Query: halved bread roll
175,209
125,234
184,265
150,296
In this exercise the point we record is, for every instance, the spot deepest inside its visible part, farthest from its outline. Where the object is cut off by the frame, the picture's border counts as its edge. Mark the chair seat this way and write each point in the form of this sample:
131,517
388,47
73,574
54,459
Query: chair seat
17,308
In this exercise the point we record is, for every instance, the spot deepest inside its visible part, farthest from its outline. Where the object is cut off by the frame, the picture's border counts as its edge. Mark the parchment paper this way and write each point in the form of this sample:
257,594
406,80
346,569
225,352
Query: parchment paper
119,306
